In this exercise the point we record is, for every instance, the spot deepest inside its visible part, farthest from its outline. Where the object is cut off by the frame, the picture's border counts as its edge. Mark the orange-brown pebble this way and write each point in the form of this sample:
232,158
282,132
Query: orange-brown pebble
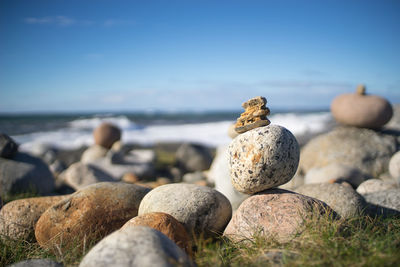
130,178
88,215
201,182
163,181
167,225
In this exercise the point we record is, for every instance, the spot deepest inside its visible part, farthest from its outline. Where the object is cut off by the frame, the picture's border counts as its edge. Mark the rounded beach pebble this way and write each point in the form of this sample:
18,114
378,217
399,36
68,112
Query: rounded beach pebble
341,198
367,150
93,153
375,185
136,246
335,173
388,199
79,175
25,173
106,135
167,225
18,218
89,214
263,158
199,208
275,213
193,157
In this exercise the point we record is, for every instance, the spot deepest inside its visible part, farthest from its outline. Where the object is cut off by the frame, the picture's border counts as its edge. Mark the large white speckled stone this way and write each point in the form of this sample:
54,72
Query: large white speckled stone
263,158
202,210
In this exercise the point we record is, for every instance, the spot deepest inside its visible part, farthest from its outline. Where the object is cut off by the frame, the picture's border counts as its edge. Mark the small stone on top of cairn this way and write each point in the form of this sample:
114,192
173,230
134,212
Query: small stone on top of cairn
255,115
361,89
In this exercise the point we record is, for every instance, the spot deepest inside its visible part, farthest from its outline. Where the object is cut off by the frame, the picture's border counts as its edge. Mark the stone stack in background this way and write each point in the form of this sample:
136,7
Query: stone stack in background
362,110
361,147
106,135
358,144
105,161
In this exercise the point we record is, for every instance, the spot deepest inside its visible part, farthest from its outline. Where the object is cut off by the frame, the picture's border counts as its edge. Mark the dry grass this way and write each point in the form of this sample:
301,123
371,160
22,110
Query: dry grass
12,251
361,241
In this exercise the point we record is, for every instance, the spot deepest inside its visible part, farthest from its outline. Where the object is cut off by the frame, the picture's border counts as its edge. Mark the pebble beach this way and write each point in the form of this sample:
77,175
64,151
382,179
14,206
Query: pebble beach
116,183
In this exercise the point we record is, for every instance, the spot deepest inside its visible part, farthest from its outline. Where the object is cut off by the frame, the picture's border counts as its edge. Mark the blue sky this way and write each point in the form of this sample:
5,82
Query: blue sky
115,55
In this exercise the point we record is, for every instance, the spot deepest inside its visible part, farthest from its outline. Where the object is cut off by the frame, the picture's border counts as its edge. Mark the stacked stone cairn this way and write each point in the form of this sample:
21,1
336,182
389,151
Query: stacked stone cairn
107,161
362,110
106,136
261,158
359,153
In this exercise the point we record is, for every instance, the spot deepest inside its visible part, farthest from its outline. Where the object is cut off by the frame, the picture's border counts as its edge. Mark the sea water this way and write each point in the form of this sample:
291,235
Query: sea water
70,131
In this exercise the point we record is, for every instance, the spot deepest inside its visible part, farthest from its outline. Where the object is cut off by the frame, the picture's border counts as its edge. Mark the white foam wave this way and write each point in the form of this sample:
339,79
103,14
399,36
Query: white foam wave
90,123
61,139
303,123
211,133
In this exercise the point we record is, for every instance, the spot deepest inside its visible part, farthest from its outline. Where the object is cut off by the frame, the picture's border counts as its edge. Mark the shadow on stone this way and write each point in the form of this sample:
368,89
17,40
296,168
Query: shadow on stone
377,210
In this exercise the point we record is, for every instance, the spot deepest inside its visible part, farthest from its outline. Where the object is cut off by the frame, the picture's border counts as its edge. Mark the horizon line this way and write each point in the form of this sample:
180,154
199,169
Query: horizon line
158,111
